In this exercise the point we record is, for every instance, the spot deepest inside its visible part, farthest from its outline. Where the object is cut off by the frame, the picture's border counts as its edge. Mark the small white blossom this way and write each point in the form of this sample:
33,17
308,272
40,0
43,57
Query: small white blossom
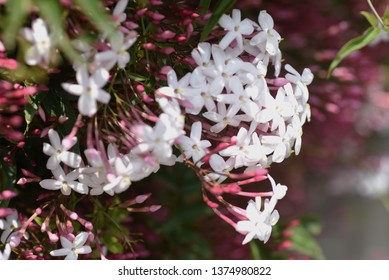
58,151
72,249
89,88
267,39
193,146
64,182
236,29
42,43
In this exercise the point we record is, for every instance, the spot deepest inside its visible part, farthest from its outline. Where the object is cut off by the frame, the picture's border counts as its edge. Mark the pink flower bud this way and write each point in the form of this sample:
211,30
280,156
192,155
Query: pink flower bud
154,208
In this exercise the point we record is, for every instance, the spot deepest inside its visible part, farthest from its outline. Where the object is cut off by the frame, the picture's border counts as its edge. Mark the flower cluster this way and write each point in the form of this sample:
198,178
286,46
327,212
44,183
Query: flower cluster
227,114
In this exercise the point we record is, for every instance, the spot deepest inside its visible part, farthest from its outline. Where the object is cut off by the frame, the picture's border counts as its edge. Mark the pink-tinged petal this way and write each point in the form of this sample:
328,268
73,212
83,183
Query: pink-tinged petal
59,173
72,256
226,22
227,39
103,96
83,250
87,105
100,77
80,239
167,91
73,88
94,157
50,184
70,159
32,56
82,77
108,188
53,162
60,252
48,149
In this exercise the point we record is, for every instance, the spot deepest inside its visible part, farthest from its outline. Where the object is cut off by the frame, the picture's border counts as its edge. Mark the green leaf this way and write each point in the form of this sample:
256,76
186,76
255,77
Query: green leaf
303,240
51,11
32,106
221,7
97,15
113,244
385,18
355,44
203,6
16,12
370,18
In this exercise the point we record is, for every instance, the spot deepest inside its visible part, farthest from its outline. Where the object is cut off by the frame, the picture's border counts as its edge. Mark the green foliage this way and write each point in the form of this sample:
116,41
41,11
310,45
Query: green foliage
303,238
221,7
16,13
353,45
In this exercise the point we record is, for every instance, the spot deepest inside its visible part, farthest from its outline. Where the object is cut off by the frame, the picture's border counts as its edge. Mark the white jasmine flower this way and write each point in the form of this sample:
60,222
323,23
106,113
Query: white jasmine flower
222,117
89,88
42,43
58,151
118,52
193,146
236,29
267,39
8,225
259,223
64,182
72,249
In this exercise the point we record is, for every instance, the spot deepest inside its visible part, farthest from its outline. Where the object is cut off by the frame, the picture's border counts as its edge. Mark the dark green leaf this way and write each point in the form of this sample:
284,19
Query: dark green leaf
222,7
370,18
17,11
355,44
32,106
204,6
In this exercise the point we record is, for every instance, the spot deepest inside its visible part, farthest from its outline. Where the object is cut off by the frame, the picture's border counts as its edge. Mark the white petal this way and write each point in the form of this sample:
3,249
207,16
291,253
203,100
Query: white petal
48,149
80,239
83,250
265,20
227,39
72,256
195,132
53,162
73,88
82,77
66,242
100,77
70,159
87,105
50,184
103,96
60,252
